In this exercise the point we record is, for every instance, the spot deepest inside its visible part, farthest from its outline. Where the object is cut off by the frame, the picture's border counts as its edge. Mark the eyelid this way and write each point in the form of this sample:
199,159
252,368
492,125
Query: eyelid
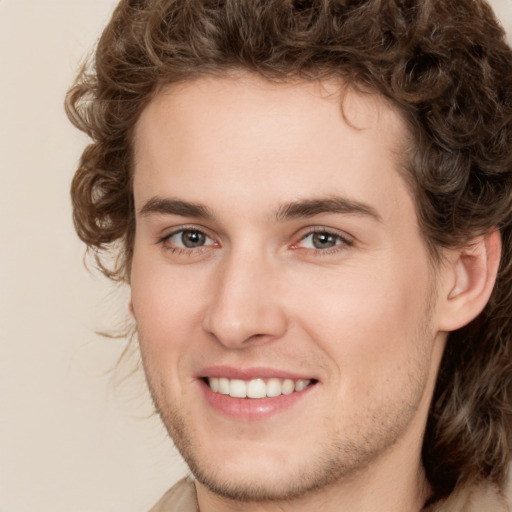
346,239
164,238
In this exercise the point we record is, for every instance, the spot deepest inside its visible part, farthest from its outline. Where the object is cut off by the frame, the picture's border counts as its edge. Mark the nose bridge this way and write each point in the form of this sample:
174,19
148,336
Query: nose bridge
245,303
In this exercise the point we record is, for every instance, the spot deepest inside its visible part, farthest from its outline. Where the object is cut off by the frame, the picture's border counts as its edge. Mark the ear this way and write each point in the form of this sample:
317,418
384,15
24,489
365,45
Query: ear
470,274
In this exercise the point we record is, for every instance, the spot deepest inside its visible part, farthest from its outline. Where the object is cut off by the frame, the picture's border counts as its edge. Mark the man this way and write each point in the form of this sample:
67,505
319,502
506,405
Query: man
312,204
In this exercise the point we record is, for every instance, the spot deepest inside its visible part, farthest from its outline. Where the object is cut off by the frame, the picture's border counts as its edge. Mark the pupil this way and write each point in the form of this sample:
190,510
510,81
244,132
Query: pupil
192,239
323,240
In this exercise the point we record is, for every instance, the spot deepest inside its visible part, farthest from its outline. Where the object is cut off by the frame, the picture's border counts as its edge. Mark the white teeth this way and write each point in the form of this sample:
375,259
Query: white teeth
274,387
288,387
214,384
256,388
237,388
223,386
301,384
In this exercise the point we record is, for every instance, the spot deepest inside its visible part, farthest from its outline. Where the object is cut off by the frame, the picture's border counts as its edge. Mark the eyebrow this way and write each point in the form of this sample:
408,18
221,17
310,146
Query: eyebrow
329,205
303,208
158,205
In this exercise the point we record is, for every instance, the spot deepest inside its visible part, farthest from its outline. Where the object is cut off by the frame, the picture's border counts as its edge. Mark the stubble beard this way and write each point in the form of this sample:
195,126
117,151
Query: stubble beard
341,457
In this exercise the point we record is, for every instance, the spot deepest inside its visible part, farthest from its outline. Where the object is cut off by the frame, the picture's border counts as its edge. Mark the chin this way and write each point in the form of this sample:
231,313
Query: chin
252,472
254,485
266,473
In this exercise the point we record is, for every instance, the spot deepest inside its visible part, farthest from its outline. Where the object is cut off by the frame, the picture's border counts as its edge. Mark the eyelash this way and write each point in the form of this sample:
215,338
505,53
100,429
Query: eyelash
342,242
165,242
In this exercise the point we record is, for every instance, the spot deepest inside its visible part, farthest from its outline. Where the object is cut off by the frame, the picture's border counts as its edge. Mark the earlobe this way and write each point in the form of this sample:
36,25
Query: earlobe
471,274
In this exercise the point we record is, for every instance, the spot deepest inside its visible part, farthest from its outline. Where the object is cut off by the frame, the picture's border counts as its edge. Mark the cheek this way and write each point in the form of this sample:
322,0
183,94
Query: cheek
368,323
167,305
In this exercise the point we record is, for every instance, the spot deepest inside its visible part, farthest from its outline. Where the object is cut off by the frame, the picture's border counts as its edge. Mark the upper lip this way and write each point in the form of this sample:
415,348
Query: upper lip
231,372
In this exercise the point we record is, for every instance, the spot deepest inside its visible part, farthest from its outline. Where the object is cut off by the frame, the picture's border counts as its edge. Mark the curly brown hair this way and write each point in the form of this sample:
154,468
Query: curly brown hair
443,64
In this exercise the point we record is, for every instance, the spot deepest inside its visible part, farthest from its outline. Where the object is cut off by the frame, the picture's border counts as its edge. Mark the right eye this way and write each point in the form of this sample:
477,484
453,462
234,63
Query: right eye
187,239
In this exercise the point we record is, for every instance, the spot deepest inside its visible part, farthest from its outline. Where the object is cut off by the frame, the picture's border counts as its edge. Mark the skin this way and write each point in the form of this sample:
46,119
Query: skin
363,317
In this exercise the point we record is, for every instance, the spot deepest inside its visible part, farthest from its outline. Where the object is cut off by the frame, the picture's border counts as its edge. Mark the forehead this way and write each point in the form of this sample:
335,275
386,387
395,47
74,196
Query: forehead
254,102
296,138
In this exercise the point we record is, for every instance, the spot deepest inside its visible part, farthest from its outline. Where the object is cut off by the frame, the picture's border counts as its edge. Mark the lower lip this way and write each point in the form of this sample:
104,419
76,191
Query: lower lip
252,409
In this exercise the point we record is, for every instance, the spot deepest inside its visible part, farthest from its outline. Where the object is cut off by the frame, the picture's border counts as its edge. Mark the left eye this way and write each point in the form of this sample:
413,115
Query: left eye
189,239
321,240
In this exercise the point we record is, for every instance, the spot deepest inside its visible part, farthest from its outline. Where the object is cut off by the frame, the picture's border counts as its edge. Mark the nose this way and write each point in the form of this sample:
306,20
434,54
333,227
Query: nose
245,303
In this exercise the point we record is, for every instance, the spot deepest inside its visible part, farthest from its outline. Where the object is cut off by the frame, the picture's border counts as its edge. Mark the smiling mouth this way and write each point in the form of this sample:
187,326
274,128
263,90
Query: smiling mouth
256,388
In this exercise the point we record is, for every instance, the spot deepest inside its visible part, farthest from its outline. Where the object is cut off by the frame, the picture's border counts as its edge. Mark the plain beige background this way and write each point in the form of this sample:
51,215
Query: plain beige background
72,439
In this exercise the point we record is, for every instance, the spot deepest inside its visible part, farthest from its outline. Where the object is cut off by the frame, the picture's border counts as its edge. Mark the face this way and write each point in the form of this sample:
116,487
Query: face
277,255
